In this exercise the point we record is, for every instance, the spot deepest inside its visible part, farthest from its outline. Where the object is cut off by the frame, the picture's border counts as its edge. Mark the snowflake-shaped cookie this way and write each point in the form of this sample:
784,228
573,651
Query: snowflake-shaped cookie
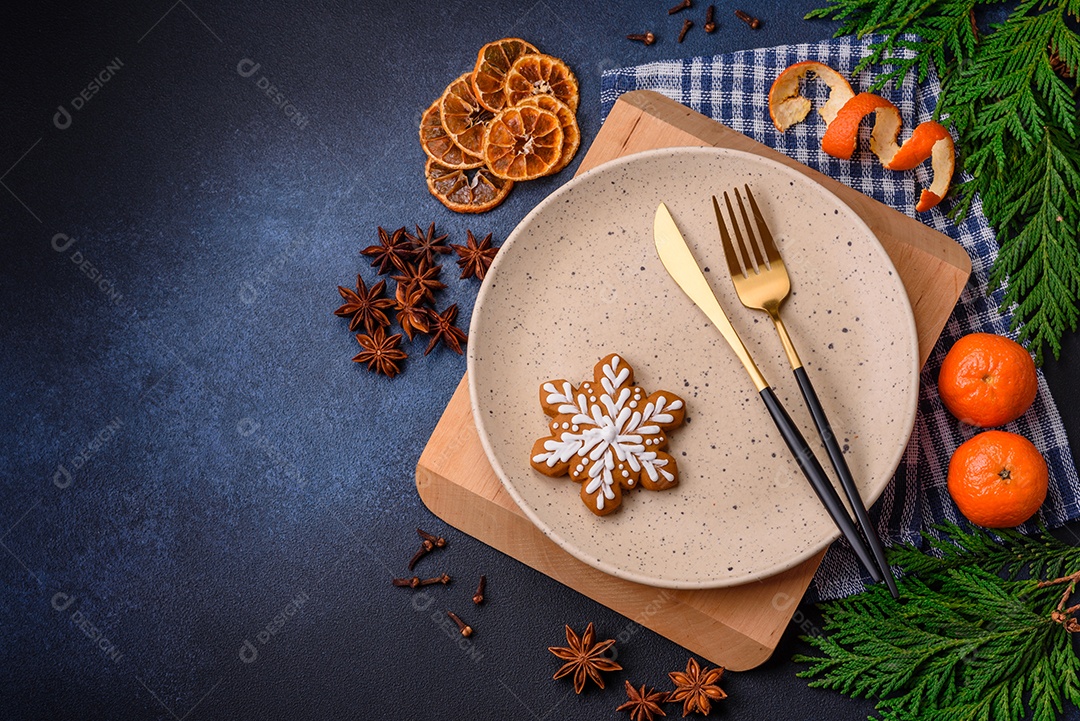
608,435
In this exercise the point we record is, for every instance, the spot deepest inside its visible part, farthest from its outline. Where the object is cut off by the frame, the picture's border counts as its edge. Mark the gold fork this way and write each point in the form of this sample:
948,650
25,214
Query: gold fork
762,283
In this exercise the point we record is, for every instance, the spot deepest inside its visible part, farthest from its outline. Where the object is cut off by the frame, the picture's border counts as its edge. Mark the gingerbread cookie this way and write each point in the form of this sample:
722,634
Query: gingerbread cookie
608,434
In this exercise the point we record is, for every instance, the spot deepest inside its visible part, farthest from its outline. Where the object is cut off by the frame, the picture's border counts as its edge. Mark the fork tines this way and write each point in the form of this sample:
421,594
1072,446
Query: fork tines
750,256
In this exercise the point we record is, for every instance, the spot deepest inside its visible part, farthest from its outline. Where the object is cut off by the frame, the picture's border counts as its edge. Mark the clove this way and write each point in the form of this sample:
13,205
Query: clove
466,630
424,550
710,23
416,582
647,37
478,597
687,24
681,6
428,543
750,20
429,539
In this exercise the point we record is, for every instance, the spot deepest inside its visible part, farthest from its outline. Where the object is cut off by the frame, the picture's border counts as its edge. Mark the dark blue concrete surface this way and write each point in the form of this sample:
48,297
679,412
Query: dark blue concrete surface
203,499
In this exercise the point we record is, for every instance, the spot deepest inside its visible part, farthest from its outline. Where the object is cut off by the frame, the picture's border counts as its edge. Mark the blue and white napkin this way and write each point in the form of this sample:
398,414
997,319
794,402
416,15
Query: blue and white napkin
733,89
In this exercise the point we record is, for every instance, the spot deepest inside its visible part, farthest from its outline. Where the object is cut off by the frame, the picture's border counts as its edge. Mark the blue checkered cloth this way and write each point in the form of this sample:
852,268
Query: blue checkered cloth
733,89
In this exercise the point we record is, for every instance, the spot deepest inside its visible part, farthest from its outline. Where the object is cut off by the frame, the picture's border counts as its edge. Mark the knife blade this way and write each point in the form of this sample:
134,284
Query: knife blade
681,266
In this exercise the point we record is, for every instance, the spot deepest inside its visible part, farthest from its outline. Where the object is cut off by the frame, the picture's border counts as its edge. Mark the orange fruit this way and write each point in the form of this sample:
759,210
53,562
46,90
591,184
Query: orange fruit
787,104
539,74
523,143
987,380
439,146
463,117
567,121
472,191
998,479
492,64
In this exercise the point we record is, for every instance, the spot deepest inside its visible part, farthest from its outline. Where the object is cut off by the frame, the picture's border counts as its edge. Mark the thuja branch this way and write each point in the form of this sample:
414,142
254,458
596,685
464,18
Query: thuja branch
963,642
1010,97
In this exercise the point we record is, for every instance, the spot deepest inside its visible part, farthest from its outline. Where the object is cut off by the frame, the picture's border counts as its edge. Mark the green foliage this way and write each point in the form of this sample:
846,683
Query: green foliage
966,641
1010,96
1006,551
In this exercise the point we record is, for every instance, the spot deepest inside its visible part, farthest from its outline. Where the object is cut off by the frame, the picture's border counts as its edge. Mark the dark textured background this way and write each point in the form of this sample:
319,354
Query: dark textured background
226,458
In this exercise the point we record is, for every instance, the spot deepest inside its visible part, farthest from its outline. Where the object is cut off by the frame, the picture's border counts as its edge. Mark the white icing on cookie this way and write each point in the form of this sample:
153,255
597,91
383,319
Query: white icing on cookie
608,428
562,396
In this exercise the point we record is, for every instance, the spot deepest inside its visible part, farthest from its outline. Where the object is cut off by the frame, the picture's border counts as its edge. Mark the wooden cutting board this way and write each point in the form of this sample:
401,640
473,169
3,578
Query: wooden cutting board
735,627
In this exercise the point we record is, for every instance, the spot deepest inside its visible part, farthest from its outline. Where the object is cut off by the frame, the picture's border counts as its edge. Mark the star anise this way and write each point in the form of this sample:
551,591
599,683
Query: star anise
381,353
475,257
393,251
643,705
427,245
696,687
443,329
411,314
365,306
584,658
421,276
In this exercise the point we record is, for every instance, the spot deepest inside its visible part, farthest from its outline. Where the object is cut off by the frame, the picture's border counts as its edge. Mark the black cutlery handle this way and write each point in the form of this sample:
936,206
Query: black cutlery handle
814,473
839,464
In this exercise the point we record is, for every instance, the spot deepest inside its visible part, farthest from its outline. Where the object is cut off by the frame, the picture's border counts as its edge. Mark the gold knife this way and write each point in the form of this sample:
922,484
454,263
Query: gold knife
681,266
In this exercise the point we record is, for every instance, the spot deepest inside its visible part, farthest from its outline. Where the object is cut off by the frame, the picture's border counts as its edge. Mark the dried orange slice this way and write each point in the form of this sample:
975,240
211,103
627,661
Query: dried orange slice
567,121
472,191
493,62
439,146
539,74
463,117
523,143
787,105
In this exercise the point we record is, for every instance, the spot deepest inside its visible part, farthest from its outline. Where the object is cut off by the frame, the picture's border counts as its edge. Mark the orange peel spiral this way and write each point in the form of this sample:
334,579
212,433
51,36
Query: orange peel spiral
845,111
788,106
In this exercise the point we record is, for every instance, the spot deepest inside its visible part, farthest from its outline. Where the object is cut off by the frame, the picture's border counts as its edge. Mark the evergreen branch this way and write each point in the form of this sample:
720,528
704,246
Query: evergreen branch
963,643
1005,551
1010,97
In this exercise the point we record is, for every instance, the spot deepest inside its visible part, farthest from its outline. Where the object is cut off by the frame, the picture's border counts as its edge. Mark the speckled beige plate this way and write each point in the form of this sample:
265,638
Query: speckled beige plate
579,278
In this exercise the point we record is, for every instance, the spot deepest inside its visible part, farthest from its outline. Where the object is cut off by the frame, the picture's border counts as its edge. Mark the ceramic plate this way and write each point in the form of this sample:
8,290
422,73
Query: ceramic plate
579,278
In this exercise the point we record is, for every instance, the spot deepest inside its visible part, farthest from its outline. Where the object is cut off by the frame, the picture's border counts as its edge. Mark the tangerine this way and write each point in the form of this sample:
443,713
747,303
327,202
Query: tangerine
998,479
842,134
987,380
918,147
